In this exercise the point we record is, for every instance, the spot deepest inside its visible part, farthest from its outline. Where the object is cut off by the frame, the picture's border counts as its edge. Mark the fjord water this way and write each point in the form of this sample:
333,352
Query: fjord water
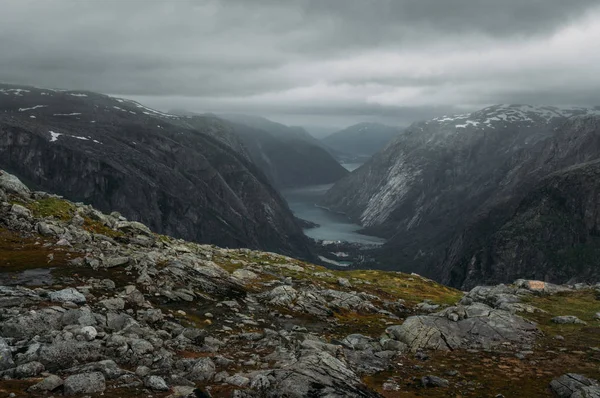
332,226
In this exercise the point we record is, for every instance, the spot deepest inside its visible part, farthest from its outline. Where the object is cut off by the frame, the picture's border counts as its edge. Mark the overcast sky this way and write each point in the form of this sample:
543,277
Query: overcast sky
310,62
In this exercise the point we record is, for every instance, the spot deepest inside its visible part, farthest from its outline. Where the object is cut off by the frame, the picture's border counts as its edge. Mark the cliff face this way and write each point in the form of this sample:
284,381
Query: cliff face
163,170
443,178
546,226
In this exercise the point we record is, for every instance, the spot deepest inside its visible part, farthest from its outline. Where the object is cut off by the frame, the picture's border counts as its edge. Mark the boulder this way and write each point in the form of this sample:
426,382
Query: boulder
85,383
6,359
50,383
11,184
478,327
68,294
569,384
156,383
568,319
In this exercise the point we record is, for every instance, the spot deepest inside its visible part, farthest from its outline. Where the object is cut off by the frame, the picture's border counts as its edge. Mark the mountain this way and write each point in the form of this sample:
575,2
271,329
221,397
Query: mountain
288,156
288,161
93,304
361,140
442,178
189,177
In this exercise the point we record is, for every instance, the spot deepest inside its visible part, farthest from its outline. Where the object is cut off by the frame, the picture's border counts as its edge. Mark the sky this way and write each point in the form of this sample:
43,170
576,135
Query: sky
324,64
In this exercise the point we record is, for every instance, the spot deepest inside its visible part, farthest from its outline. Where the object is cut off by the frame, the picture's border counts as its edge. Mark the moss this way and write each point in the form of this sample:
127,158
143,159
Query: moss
97,227
52,207
582,304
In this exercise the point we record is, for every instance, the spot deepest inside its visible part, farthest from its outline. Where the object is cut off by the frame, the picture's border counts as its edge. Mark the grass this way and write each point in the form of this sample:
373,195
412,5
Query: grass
52,207
18,253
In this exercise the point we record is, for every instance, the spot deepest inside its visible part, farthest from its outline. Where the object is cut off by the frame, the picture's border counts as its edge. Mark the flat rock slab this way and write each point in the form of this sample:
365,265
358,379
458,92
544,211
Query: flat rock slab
477,327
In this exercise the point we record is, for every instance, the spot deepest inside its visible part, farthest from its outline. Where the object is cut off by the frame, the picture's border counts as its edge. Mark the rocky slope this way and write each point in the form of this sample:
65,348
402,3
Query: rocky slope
185,176
289,156
92,303
445,177
360,141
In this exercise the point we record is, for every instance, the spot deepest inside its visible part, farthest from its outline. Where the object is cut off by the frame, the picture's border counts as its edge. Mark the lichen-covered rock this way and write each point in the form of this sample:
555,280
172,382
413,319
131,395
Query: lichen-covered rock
572,385
85,383
477,326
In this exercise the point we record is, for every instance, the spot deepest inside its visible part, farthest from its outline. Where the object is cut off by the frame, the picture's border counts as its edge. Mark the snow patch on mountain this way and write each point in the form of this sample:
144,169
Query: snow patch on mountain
32,108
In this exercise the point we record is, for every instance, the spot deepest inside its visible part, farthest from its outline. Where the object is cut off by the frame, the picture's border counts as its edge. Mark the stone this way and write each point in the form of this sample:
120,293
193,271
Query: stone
68,294
11,184
30,369
479,327
244,274
111,262
156,383
88,332
6,359
343,282
85,383
202,370
116,303
20,211
50,383
434,381
238,380
568,384
568,319
142,371
133,228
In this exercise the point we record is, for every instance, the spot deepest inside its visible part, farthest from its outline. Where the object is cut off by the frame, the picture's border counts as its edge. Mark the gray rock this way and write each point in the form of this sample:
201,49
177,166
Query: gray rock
111,262
568,319
343,282
568,384
156,383
11,184
479,327
50,383
85,383
434,381
20,211
244,274
142,371
66,354
116,303
317,374
68,294
89,333
6,359
238,380
134,228
30,369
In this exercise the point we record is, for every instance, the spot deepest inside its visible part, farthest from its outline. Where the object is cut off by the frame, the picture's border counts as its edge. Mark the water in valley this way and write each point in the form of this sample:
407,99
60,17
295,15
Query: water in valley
332,226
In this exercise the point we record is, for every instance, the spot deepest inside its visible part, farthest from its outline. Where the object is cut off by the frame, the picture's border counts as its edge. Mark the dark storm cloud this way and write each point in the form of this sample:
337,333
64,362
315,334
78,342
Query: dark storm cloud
342,59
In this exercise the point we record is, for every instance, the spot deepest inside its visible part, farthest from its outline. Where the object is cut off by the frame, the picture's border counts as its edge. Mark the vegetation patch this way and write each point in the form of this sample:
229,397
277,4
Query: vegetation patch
52,207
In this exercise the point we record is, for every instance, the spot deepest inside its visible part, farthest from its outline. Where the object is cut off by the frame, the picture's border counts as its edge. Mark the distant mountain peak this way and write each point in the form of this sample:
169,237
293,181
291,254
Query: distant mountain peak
497,116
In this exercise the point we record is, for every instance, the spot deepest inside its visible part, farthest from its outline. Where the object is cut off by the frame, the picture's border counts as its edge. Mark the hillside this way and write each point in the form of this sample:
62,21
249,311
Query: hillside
189,177
432,183
92,303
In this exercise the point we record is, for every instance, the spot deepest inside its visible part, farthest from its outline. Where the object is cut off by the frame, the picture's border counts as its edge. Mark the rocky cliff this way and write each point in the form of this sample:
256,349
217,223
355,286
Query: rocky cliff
92,303
439,177
185,176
